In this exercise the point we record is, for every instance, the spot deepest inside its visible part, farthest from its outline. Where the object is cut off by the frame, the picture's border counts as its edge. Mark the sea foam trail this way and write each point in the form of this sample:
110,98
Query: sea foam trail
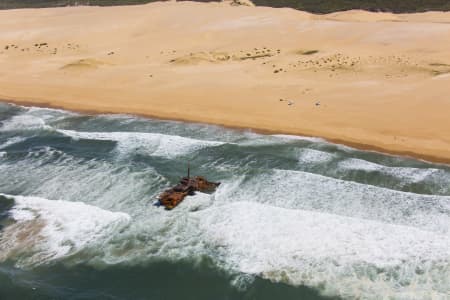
23,122
12,141
349,257
48,230
407,174
154,144
302,190
33,119
299,137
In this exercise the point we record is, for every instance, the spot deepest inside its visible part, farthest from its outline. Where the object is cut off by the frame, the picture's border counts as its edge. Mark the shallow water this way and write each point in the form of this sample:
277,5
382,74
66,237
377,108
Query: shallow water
294,218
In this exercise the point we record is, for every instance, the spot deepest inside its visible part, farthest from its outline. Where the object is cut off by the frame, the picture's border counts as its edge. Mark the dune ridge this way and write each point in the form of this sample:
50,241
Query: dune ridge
371,80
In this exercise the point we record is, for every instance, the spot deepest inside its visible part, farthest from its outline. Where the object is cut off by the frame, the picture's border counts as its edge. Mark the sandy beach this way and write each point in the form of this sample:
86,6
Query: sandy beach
371,80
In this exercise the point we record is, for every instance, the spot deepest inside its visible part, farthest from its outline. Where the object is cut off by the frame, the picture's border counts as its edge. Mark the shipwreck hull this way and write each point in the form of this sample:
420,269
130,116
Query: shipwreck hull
186,187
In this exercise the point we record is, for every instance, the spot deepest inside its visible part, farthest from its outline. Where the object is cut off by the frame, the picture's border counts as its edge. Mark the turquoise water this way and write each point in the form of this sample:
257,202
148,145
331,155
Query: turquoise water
294,217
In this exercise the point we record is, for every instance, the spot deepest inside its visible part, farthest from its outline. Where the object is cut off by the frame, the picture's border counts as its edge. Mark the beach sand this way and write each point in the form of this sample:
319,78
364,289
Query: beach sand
371,80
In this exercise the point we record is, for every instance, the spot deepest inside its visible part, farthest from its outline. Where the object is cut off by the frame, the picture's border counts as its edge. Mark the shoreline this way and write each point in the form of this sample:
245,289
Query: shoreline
355,145
381,85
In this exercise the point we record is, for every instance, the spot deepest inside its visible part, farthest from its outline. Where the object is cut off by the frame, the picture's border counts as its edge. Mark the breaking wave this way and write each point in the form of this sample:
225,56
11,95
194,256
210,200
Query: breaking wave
409,174
23,122
12,141
346,256
48,230
349,257
302,190
155,144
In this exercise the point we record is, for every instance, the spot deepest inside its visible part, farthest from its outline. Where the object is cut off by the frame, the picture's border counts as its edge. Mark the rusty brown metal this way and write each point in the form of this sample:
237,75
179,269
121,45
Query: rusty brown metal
186,187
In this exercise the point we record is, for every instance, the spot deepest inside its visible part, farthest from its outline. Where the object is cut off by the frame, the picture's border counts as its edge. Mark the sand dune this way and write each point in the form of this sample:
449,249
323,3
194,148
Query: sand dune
366,16
372,80
361,16
84,64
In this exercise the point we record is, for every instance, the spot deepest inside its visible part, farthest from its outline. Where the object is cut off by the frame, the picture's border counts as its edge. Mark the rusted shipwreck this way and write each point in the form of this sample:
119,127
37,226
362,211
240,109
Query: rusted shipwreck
186,187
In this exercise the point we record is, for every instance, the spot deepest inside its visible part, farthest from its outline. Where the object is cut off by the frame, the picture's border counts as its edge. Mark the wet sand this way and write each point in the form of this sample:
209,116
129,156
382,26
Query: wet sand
371,80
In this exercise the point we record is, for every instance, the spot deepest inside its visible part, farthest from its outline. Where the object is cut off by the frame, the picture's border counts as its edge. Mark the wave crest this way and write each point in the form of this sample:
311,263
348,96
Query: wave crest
48,230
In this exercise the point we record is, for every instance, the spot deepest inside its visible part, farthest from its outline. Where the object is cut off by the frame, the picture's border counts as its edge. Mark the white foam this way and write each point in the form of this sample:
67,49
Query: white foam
34,118
53,229
47,110
155,144
45,153
359,164
299,137
23,122
315,140
3,154
302,190
404,173
12,141
49,114
314,156
255,139
242,281
352,258
197,202
347,256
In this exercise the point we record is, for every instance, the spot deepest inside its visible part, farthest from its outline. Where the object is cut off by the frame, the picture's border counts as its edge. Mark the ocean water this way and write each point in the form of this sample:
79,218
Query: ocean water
294,217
